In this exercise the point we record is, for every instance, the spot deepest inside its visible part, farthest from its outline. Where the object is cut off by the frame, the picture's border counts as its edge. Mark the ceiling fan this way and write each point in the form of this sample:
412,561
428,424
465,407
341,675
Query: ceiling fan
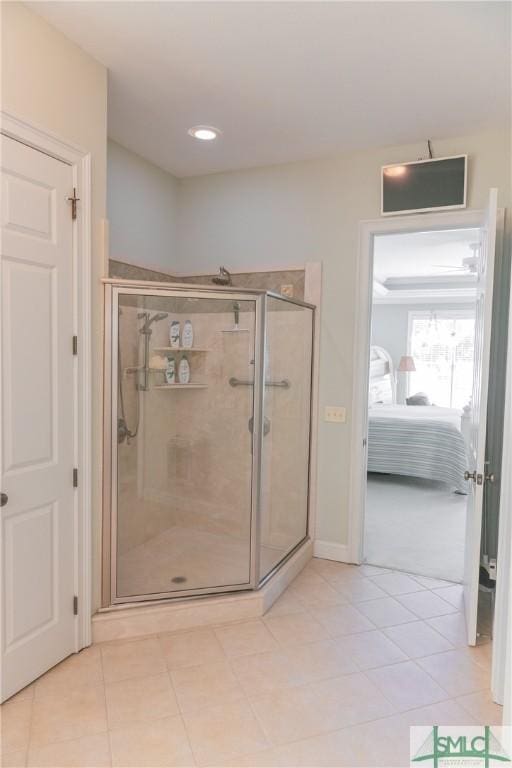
469,265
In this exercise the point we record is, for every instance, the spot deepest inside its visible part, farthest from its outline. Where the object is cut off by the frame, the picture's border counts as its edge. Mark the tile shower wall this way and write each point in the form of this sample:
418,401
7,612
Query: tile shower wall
268,281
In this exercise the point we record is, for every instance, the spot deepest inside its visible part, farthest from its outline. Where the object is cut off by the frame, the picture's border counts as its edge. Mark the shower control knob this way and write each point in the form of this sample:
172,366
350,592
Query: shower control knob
3,499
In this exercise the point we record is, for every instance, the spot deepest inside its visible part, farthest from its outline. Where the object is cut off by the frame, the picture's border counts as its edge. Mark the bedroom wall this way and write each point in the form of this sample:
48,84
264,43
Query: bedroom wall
310,211
390,323
142,202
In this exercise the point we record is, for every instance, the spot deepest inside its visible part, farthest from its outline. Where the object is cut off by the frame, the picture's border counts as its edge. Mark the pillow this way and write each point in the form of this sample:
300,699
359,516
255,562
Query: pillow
420,398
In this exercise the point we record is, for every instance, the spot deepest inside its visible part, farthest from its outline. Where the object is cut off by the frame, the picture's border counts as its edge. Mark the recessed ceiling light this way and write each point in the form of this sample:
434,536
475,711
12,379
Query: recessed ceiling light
204,132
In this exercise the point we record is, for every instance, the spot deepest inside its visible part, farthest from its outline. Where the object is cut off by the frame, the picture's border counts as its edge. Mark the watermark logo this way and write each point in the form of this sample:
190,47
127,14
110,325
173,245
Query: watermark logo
461,746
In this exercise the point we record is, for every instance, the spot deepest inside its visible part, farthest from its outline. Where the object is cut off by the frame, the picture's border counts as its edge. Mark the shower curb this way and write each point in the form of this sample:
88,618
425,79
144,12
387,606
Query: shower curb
124,623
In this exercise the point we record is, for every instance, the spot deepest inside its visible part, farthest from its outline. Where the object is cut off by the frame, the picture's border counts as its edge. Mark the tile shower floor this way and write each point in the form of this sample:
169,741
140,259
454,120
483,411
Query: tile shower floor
345,661
197,558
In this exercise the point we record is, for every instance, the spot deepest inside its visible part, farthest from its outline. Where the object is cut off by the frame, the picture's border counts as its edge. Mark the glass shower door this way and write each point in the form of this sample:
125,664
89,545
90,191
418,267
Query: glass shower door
286,430
183,457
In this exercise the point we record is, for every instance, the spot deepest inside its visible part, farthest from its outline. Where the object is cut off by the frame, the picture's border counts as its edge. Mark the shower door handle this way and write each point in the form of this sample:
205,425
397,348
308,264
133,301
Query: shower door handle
266,425
3,499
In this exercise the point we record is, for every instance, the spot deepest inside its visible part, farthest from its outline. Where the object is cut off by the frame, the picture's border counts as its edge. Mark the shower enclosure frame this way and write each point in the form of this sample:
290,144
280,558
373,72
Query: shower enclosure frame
113,288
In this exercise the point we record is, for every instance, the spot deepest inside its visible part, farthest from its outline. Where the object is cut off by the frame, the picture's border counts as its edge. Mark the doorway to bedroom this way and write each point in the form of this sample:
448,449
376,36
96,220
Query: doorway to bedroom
420,384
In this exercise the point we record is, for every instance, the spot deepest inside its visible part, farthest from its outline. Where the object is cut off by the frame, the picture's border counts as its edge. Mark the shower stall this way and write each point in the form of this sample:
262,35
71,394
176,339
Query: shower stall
206,476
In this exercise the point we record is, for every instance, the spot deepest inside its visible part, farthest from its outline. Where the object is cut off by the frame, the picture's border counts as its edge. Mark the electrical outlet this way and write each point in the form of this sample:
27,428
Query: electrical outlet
287,290
335,413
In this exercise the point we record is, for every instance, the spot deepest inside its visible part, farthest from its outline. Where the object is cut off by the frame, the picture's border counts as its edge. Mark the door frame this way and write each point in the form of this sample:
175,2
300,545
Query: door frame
79,161
362,337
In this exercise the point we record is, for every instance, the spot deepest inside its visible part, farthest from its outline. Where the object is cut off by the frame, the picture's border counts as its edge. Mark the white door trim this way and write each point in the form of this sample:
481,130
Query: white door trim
368,230
80,162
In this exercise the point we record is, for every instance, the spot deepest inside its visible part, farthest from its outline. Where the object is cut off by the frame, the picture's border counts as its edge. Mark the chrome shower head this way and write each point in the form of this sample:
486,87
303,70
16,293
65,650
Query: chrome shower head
149,320
223,278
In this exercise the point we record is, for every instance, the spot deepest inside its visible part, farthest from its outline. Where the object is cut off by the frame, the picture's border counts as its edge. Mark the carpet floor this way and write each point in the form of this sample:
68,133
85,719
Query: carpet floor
415,525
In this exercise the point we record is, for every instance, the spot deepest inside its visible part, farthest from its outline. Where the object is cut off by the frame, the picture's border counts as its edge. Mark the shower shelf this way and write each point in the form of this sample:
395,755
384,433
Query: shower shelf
180,349
180,386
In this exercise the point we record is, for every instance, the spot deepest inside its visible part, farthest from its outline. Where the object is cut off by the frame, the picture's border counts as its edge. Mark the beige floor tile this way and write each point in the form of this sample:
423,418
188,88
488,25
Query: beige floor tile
373,570
319,660
16,714
343,580
386,612
349,700
417,639
386,742
456,672
245,638
426,605
481,654
481,706
357,590
296,628
76,753
266,672
406,685
397,583
452,626
205,686
291,714
136,658
16,759
57,717
315,591
158,744
140,698
80,669
223,732
453,595
326,749
286,604
378,743
322,566
341,619
371,649
189,649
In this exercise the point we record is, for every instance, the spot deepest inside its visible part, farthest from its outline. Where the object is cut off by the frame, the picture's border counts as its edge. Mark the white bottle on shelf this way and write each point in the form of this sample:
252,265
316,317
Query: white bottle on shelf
174,333
187,338
170,371
184,371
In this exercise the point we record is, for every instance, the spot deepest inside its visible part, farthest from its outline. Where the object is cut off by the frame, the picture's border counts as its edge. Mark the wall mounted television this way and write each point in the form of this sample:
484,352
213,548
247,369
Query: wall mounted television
424,185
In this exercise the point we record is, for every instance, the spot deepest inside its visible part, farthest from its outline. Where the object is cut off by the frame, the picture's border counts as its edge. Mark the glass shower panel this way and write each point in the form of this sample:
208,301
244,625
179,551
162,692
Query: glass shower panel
285,448
184,449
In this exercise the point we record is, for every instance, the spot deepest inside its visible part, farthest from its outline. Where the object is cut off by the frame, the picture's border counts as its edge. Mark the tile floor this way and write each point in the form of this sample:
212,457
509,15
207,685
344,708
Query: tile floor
334,675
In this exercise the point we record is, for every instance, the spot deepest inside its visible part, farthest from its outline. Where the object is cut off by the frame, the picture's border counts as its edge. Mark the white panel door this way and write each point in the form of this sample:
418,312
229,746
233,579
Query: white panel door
477,467
38,432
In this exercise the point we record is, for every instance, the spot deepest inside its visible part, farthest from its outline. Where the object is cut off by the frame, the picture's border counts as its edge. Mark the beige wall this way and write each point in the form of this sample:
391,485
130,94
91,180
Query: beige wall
310,211
49,81
141,207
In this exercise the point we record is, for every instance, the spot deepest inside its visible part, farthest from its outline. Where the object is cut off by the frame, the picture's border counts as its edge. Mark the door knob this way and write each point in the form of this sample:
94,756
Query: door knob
469,475
490,478
3,499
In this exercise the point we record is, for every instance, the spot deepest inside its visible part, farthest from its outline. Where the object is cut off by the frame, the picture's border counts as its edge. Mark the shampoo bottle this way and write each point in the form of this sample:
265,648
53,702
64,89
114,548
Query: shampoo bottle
184,371
170,371
174,333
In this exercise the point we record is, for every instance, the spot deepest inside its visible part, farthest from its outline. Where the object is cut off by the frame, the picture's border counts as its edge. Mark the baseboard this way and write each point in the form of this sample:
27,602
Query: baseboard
329,550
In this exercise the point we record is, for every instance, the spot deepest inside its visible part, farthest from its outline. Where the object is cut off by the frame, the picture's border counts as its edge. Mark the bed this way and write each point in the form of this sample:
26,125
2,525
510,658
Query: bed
415,440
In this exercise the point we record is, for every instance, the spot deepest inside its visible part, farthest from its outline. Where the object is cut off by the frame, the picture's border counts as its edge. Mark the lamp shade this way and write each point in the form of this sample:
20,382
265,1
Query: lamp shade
406,364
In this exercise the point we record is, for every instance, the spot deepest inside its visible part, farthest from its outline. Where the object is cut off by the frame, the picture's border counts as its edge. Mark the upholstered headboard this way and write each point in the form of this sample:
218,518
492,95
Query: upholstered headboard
382,384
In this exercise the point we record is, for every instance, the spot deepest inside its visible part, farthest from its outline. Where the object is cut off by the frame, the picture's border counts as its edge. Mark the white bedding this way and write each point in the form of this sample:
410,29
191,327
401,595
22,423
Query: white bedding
419,441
